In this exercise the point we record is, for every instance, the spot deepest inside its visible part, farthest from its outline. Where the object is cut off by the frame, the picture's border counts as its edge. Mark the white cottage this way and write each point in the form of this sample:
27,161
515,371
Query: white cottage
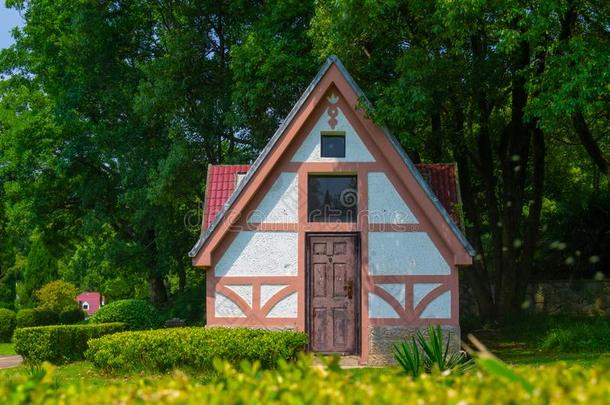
333,231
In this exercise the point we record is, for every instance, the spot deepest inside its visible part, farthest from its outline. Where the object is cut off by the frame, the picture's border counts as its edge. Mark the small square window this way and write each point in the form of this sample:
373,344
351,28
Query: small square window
333,145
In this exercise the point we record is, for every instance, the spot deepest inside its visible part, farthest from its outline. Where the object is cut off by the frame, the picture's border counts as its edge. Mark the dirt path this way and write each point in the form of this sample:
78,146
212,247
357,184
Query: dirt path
10,361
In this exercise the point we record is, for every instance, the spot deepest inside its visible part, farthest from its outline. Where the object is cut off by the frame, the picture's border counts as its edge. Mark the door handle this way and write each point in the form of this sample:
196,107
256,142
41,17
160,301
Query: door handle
350,289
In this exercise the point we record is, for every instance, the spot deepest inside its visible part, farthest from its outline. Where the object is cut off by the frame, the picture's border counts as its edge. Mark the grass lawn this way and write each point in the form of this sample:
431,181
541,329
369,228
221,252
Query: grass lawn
83,372
7,349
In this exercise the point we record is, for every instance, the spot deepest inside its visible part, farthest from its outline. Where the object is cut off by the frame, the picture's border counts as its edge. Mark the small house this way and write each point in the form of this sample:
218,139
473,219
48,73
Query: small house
333,231
90,301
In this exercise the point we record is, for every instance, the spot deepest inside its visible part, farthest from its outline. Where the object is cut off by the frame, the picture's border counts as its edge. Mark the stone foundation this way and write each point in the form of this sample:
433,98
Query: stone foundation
383,338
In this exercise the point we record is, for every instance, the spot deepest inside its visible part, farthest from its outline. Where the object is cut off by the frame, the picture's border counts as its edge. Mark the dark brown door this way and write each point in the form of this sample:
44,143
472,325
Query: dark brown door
333,293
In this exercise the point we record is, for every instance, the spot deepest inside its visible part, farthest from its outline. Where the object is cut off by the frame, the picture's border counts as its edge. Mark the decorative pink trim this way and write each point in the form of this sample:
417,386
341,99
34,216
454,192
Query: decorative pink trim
332,111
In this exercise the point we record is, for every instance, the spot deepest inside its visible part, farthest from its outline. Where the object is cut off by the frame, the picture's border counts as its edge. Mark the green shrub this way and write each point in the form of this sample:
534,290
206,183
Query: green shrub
8,322
425,354
193,348
36,317
302,383
45,317
71,316
60,343
26,318
136,314
57,296
561,333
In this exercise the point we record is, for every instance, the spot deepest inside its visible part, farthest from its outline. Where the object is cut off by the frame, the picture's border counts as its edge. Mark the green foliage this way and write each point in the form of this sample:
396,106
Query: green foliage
188,306
193,348
26,318
302,382
40,268
408,357
435,355
561,333
36,317
71,316
136,314
110,114
57,296
60,343
8,323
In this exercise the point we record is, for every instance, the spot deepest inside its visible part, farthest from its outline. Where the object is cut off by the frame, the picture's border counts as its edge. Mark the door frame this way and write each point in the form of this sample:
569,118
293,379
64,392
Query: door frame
357,286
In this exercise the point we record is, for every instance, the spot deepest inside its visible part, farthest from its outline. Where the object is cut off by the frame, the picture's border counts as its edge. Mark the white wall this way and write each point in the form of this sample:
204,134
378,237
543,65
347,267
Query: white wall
268,291
225,307
386,206
280,203
404,253
243,291
397,291
260,254
440,308
379,308
420,290
355,150
286,308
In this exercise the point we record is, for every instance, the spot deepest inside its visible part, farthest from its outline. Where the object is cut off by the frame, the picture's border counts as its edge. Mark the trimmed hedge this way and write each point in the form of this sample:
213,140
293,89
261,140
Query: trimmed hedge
193,348
60,343
8,323
36,317
303,383
71,316
137,314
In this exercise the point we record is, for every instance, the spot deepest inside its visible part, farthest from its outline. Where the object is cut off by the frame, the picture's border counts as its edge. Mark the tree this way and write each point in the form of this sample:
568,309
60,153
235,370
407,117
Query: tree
57,296
461,82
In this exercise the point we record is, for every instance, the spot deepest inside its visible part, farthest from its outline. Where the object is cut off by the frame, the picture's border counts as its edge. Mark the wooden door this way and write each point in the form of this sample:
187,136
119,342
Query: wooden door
333,293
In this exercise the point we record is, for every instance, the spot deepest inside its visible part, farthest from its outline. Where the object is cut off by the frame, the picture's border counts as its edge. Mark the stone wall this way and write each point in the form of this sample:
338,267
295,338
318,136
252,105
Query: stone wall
383,338
553,297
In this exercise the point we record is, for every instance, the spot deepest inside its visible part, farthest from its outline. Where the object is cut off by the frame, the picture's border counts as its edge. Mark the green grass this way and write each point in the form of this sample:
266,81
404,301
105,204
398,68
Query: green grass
7,349
83,373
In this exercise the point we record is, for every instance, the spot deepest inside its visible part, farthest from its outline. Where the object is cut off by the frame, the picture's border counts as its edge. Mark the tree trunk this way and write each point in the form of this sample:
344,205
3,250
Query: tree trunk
158,292
476,275
586,138
435,144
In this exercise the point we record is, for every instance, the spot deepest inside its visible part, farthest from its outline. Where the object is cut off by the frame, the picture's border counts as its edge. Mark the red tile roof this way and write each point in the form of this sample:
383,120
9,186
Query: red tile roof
220,184
222,179
443,180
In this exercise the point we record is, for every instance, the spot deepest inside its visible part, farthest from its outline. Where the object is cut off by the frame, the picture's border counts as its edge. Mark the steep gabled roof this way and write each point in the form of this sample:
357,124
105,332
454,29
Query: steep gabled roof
222,181
333,60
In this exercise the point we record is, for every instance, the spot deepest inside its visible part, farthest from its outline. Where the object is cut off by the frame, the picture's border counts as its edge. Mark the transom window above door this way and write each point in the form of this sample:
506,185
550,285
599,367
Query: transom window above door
332,144
332,198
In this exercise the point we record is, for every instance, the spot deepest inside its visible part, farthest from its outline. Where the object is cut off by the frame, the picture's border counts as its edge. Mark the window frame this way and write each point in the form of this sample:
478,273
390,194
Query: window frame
333,134
352,219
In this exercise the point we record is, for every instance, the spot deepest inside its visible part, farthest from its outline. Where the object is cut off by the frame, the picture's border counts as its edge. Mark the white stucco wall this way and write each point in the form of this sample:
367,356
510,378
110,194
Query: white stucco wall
420,290
268,291
286,308
243,291
260,254
404,253
281,201
395,290
386,206
440,308
224,307
379,308
355,150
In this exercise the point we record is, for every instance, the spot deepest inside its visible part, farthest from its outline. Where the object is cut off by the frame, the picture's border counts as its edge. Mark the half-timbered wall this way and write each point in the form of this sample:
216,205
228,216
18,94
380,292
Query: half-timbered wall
407,273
